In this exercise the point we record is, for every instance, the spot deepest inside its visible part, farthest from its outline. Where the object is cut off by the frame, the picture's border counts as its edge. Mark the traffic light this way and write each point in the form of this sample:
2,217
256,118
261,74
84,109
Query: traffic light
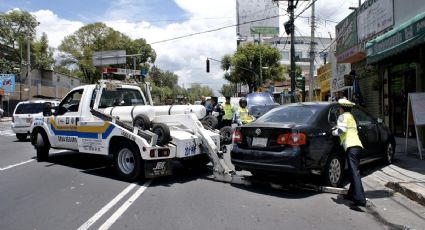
288,27
208,65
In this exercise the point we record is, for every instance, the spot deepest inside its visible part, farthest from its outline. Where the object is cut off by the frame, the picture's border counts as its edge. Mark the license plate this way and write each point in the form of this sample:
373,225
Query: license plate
259,141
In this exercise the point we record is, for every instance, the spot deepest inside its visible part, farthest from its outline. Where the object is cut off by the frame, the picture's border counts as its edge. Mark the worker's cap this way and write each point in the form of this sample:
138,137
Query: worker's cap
345,102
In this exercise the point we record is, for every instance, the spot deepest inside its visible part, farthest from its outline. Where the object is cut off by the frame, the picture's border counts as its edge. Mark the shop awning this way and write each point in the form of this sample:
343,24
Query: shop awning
404,37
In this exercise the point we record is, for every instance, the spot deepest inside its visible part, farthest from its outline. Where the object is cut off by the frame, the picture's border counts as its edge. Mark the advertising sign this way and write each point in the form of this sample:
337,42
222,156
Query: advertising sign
346,34
7,82
111,57
265,30
374,16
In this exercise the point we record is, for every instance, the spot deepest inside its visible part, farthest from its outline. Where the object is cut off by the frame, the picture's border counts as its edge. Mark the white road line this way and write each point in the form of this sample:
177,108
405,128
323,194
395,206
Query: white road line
11,166
124,207
106,208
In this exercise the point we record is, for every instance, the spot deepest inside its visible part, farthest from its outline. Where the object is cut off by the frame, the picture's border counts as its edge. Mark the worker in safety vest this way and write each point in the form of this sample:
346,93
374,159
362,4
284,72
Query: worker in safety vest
228,113
242,116
346,129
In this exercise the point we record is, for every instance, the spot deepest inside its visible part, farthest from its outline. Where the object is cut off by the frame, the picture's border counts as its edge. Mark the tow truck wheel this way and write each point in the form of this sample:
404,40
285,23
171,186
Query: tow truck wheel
21,136
142,122
128,162
42,148
163,133
210,122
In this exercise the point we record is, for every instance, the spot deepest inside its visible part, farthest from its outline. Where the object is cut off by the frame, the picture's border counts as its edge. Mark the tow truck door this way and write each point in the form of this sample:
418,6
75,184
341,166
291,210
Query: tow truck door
65,121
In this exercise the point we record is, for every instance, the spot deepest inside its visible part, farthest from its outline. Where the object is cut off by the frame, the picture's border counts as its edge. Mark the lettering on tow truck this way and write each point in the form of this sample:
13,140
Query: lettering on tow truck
128,136
67,139
159,166
190,149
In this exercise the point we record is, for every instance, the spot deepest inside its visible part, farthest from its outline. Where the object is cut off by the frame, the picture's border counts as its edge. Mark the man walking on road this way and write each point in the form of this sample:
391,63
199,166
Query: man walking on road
346,129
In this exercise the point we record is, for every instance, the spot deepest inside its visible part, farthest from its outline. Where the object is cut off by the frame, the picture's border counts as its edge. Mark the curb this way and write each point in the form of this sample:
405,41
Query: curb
407,191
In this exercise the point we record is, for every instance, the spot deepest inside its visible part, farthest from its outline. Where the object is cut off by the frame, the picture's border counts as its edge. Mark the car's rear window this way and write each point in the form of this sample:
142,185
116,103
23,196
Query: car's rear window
293,114
29,108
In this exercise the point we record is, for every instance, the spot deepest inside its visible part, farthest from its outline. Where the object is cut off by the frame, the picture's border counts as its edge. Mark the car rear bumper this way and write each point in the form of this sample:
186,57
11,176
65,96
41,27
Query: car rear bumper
21,129
287,161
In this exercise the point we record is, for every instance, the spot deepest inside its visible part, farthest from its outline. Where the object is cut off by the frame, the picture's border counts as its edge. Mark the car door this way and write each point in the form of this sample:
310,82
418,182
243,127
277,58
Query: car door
368,133
64,124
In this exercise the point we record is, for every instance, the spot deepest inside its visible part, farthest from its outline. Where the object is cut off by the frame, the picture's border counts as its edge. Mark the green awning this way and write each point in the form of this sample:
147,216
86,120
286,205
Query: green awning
404,37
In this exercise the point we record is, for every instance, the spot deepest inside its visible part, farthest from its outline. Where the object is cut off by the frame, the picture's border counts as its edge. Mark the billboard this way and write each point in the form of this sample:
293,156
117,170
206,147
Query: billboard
346,34
374,17
7,82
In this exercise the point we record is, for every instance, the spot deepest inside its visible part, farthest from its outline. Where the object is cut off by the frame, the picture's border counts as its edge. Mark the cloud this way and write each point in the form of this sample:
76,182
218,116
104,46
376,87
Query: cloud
56,28
186,57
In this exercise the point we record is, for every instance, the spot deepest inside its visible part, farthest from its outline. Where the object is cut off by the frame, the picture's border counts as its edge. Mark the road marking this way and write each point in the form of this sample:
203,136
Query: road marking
124,207
106,208
11,166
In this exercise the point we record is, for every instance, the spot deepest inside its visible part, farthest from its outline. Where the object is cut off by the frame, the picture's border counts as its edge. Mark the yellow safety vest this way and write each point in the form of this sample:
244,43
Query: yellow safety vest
350,138
244,116
228,112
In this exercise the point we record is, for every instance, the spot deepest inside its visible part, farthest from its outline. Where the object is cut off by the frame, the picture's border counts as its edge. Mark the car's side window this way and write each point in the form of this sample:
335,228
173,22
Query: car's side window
71,102
362,117
333,115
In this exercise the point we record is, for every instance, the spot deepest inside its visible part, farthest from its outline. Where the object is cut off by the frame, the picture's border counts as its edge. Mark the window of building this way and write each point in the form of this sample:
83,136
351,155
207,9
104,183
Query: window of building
285,55
299,54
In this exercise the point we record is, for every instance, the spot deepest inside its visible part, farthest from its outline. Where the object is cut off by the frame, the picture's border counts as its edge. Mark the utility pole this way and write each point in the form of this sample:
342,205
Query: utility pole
312,56
291,8
261,62
29,69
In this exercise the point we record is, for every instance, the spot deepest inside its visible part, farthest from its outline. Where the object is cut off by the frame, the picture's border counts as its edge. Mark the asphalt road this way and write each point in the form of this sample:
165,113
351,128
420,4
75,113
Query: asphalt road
77,191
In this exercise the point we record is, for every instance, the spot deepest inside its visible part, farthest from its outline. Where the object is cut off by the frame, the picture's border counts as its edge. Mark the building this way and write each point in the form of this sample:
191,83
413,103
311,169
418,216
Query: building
46,84
249,17
383,42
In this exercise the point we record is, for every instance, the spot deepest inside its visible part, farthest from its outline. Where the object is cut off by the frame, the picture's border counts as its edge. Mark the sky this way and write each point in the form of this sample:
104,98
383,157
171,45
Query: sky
157,20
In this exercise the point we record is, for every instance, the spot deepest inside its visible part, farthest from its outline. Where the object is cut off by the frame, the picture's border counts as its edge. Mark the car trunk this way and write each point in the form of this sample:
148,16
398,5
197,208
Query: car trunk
264,136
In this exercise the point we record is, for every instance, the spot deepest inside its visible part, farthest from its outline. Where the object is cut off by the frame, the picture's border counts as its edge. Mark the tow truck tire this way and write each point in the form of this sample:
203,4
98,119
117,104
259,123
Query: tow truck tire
21,136
42,147
142,122
209,122
163,133
128,162
226,135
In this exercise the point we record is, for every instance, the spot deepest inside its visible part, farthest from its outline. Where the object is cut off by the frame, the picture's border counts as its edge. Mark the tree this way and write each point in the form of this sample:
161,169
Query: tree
197,90
16,28
227,90
42,54
244,65
77,48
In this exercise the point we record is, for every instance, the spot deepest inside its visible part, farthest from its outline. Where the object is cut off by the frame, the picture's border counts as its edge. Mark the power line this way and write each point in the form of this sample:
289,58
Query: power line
216,29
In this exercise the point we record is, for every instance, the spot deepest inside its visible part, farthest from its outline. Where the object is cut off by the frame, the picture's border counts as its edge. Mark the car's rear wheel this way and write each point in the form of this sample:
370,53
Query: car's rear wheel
334,170
42,147
389,153
21,136
128,162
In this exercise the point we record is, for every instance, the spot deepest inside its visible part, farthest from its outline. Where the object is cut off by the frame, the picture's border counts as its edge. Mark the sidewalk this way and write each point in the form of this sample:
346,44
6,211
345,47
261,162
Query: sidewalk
5,119
407,174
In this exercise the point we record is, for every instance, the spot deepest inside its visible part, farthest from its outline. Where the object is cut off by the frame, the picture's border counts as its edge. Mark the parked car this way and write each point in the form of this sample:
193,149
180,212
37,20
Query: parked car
24,114
296,139
260,103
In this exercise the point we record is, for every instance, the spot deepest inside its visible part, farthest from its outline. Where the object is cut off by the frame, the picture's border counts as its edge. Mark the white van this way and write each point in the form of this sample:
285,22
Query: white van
24,114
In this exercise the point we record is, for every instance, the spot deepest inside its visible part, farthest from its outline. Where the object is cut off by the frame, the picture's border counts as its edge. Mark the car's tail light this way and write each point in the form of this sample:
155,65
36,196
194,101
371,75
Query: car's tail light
294,139
163,152
237,136
152,153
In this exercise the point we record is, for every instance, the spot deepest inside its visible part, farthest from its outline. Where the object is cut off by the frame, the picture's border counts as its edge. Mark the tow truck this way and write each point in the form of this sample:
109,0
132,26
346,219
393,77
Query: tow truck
143,143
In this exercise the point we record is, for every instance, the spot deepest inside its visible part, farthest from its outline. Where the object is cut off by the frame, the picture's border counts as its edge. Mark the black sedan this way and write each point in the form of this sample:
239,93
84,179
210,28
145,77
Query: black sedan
297,139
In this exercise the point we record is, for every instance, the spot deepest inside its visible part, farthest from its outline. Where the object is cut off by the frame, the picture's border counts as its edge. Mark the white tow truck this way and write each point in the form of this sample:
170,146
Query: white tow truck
144,145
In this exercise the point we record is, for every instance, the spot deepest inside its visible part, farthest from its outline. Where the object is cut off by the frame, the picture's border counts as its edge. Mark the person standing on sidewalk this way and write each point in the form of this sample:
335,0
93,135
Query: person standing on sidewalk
346,129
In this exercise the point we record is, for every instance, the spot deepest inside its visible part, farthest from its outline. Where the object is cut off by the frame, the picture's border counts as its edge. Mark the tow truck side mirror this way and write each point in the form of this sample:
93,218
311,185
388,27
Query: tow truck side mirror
47,110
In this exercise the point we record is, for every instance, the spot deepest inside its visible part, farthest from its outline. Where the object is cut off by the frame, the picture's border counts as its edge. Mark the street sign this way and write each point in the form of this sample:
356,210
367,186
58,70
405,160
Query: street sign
111,57
122,71
7,82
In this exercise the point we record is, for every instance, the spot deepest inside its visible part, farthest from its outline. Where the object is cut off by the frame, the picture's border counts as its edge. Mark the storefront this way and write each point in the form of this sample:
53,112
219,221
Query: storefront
400,57
324,74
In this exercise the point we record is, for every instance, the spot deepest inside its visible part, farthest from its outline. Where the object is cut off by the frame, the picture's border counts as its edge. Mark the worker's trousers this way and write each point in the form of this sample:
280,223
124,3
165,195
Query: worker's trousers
356,191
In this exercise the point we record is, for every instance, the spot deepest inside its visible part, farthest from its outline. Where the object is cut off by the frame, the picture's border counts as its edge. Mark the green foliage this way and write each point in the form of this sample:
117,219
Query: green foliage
245,64
198,90
16,26
227,90
78,48
42,54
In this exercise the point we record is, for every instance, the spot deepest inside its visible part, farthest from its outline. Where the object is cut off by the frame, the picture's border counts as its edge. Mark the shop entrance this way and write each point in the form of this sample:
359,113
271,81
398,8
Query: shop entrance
402,79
